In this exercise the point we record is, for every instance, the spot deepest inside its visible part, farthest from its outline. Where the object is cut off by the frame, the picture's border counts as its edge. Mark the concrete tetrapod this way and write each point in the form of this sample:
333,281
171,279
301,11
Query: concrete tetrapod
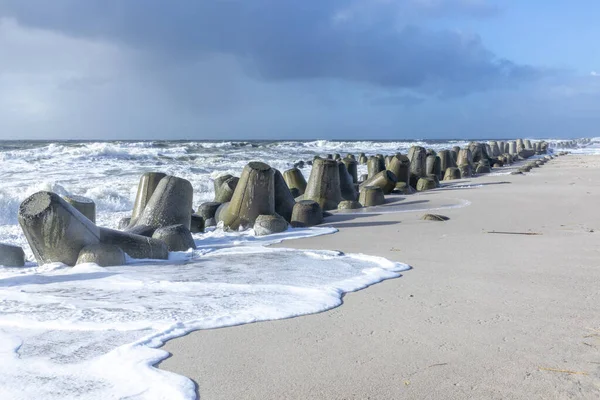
446,160
464,157
11,256
136,246
207,211
220,180
454,155
170,204
55,230
417,156
224,192
452,173
84,205
386,180
284,199
371,196
352,168
307,213
466,170
295,180
349,205
433,166
400,167
373,166
324,184
346,183
197,224
105,255
176,237
220,212
148,183
483,167
269,224
424,184
254,195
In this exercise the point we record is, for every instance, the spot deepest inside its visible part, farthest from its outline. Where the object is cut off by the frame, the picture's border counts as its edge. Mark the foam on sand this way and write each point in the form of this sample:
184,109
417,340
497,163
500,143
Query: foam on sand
93,332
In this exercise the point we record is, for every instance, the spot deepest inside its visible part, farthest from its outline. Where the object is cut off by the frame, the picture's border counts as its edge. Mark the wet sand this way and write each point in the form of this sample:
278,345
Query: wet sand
480,316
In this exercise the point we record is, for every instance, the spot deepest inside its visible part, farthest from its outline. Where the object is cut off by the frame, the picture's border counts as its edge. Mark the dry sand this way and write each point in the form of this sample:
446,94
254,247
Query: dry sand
479,316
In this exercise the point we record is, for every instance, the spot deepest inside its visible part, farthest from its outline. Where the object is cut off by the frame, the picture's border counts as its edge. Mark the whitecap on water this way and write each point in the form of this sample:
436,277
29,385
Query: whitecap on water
92,332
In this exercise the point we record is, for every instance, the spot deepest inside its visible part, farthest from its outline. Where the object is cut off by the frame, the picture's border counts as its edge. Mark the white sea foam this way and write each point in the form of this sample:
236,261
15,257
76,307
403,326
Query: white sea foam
92,332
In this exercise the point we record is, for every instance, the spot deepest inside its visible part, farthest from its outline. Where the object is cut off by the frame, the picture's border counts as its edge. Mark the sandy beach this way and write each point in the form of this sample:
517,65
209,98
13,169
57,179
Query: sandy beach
480,316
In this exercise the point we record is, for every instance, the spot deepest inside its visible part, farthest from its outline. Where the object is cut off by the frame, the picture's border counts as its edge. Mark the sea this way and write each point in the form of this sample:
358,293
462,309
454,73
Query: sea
91,332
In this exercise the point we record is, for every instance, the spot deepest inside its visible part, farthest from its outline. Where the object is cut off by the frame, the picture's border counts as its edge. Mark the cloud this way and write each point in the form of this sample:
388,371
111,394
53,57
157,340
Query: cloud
378,42
267,69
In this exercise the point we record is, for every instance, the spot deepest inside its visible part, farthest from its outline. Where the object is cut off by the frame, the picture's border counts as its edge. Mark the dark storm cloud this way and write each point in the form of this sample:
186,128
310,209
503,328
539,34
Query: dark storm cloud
382,43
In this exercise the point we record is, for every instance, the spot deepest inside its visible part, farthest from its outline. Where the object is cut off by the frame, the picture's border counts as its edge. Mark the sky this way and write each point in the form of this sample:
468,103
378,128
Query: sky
299,69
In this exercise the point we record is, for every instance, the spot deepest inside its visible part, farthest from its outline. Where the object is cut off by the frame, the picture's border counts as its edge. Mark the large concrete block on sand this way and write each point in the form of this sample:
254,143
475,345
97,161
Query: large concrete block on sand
386,180
284,199
418,168
346,183
11,256
105,255
269,224
84,205
324,184
176,237
371,196
254,195
148,183
295,180
307,213
400,167
135,246
55,230
224,193
170,204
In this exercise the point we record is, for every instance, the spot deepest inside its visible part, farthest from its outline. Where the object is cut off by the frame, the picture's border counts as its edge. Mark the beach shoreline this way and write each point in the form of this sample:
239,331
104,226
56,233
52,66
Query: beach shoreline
480,315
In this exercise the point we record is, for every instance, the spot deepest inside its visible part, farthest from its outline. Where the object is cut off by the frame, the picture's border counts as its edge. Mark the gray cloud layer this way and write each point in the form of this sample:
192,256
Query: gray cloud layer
117,69
375,42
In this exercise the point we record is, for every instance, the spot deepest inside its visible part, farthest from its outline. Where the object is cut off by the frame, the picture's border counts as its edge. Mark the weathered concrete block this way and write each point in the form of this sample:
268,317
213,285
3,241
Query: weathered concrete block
295,180
452,173
284,199
400,167
371,196
386,180
105,255
170,204
136,246
176,237
424,184
269,224
84,205
307,213
433,166
346,183
254,195
417,156
11,256
55,230
208,210
324,184
349,205
352,168
224,193
148,183
197,224
373,166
